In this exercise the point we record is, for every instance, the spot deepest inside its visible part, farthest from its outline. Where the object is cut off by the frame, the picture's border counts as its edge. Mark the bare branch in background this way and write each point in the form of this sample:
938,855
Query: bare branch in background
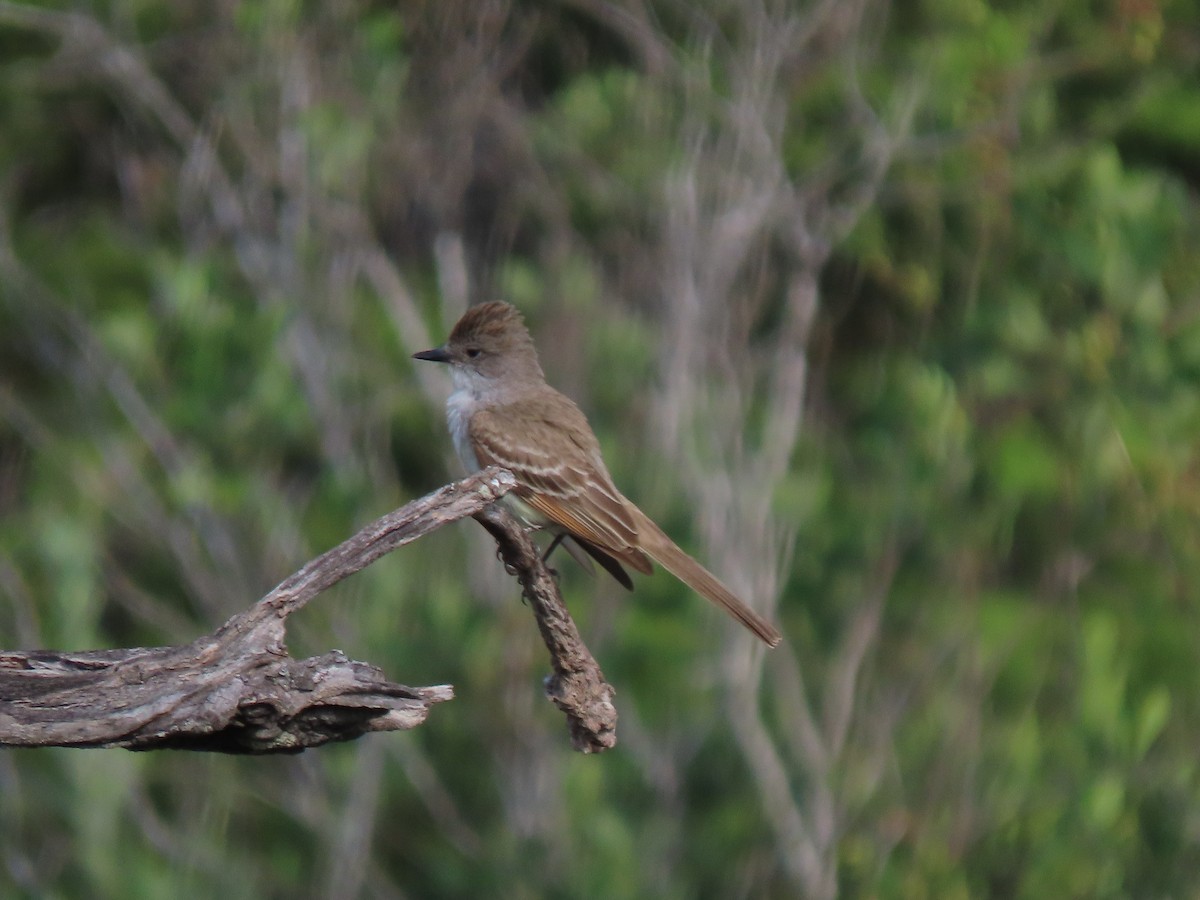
732,437
269,242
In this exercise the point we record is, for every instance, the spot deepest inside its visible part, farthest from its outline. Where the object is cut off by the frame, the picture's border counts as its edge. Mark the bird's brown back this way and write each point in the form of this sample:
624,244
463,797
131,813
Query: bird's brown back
569,485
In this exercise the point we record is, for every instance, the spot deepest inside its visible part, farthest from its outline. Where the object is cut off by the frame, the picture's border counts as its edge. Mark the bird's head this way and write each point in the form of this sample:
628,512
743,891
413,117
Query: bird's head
489,342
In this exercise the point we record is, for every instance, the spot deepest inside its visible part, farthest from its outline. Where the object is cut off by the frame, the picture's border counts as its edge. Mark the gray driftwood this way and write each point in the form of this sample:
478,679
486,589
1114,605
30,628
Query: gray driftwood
238,691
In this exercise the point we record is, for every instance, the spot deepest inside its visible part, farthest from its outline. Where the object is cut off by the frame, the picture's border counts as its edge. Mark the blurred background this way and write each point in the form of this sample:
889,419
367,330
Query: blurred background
890,312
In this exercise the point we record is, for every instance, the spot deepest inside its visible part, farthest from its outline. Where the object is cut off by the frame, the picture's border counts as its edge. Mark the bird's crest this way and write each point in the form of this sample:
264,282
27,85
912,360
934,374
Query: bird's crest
491,323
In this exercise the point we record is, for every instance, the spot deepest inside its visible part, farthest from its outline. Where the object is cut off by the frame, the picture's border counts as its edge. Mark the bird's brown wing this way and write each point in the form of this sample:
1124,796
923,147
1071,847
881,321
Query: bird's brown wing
548,445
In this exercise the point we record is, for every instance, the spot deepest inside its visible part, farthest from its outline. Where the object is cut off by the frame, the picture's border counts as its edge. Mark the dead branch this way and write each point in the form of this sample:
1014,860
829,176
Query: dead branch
237,690
577,686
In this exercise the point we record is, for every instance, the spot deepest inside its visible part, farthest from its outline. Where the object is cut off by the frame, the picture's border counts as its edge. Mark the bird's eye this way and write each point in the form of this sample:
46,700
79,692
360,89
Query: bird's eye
473,352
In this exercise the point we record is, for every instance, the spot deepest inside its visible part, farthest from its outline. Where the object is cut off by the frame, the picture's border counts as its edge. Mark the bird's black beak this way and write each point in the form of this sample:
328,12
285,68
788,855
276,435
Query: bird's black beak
437,354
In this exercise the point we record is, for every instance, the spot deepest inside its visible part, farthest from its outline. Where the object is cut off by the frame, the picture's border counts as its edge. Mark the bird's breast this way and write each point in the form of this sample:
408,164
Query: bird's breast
459,407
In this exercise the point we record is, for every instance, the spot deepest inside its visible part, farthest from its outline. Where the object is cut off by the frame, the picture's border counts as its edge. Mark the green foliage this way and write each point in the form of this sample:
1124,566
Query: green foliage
201,390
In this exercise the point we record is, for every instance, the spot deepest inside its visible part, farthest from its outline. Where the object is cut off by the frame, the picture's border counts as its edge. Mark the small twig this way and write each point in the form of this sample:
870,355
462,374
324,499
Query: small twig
577,686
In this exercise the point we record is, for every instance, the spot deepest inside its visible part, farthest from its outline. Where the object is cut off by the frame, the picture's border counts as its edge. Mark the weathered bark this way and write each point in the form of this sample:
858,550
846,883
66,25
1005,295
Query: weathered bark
577,686
232,696
238,691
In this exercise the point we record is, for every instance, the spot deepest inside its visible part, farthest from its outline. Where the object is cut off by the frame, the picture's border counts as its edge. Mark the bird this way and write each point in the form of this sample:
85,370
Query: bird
503,412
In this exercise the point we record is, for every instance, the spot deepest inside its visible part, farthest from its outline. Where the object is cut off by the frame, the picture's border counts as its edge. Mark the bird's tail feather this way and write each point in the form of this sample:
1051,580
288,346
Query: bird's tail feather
655,543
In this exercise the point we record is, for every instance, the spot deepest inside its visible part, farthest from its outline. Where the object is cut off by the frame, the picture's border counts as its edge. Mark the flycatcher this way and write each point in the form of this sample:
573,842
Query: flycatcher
503,412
